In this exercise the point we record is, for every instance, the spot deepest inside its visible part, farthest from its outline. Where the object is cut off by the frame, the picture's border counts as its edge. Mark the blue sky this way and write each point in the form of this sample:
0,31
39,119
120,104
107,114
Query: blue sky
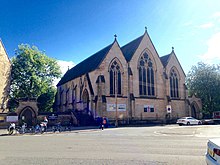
72,30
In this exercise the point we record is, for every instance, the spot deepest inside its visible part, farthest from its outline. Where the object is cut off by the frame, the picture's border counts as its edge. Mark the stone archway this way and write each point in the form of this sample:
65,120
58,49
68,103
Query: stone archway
195,106
194,110
27,115
27,111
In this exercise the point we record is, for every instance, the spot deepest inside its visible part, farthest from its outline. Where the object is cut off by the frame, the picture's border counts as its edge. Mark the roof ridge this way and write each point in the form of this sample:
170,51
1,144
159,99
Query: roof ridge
130,48
164,59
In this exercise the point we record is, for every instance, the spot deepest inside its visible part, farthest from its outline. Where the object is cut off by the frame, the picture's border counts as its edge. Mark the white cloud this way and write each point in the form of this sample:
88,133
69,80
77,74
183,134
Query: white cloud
64,65
189,23
216,15
205,26
213,53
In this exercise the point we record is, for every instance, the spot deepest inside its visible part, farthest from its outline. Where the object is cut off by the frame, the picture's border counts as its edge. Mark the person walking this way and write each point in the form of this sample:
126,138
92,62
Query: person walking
43,125
103,123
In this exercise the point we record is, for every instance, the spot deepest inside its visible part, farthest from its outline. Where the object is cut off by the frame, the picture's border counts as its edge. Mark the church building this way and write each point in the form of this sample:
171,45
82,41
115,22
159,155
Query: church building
128,83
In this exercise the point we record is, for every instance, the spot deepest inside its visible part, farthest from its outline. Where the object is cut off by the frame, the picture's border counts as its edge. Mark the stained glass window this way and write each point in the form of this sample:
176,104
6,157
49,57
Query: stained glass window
146,76
115,78
174,84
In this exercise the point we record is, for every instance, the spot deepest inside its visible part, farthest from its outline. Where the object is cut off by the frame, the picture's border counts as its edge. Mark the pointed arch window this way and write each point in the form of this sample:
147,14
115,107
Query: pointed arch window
67,96
115,78
85,99
59,96
73,97
174,84
146,76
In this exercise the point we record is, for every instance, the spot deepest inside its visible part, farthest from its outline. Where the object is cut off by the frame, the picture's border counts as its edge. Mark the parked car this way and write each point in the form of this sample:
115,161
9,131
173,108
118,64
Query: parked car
208,121
213,152
188,121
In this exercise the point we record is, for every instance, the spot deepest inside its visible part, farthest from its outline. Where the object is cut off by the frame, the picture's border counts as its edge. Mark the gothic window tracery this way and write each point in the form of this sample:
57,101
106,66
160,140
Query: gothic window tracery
146,76
174,84
115,78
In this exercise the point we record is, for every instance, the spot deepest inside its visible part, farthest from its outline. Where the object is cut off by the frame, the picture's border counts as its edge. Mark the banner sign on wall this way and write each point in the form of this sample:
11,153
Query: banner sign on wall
120,107
11,118
2,119
53,117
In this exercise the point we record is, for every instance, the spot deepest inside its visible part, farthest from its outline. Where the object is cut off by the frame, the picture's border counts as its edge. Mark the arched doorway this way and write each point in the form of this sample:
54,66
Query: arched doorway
28,116
85,99
194,110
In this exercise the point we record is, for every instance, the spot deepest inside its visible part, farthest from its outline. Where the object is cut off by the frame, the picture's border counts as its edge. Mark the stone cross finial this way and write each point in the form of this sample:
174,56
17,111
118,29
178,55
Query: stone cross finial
146,29
172,48
115,36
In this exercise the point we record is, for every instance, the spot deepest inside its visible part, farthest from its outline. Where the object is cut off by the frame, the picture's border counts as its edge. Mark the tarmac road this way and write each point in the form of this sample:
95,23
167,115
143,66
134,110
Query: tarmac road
153,145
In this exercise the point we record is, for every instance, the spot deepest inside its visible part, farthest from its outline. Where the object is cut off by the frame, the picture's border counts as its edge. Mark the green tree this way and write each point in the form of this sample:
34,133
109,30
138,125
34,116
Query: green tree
32,73
204,81
46,100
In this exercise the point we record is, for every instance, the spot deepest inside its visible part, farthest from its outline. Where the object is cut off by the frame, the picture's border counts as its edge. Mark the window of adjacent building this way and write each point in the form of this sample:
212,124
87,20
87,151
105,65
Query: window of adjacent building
174,84
146,76
115,78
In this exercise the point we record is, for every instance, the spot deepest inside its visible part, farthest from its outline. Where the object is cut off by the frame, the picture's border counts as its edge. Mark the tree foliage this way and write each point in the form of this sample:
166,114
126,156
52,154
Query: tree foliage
204,81
32,72
46,100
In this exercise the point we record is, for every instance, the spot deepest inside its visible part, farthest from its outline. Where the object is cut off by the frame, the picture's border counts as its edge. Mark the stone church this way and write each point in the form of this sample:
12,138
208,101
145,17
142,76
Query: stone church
5,71
128,83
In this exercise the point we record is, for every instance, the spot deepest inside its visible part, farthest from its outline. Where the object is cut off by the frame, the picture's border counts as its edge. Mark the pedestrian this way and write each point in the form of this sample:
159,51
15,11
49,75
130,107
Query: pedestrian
45,119
37,128
43,124
103,123
23,127
99,121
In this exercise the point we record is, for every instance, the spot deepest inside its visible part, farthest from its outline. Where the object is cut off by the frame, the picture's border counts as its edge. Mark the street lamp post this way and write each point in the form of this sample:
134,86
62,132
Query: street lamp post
116,108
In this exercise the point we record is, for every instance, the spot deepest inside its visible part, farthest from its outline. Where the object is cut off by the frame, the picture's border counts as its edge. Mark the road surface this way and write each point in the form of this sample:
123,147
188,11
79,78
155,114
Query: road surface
153,145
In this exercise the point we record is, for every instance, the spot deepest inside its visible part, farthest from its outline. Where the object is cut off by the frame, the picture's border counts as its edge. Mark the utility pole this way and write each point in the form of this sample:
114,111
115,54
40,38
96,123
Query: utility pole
116,93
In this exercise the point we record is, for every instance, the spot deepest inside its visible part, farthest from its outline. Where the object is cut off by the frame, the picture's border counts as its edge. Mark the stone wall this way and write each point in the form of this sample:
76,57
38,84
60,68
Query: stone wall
5,70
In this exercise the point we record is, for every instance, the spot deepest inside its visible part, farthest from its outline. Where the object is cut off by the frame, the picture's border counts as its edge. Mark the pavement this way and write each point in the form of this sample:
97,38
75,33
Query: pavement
4,132
199,131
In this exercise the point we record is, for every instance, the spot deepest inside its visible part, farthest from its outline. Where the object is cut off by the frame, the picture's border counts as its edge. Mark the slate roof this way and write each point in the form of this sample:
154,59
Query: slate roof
130,48
164,59
92,62
87,65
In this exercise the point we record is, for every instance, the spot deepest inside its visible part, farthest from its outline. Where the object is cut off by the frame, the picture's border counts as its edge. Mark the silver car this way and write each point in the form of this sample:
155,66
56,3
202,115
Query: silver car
213,152
188,121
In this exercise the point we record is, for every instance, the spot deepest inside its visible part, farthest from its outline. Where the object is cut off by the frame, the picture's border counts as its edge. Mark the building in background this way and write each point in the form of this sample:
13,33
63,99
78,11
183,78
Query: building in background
134,78
5,71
